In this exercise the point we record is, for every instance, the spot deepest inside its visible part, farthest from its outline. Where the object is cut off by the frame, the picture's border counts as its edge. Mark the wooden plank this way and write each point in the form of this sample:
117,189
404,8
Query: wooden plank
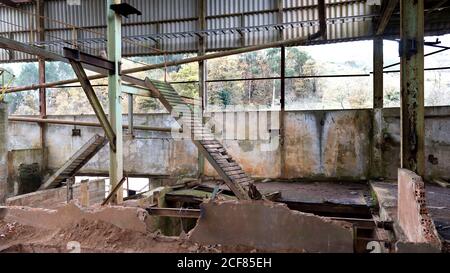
221,156
243,180
220,150
227,163
235,172
237,176
233,168
212,145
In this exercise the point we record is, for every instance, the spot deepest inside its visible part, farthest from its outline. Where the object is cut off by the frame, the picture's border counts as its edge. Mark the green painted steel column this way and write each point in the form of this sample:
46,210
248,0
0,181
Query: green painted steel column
3,152
114,37
202,76
412,86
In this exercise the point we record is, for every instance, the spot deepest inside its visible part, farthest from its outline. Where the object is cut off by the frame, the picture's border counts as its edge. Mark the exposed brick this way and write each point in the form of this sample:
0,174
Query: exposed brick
413,216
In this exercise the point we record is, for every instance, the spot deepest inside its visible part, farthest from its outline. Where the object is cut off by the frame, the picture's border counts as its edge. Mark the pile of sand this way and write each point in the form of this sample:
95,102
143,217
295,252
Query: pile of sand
88,235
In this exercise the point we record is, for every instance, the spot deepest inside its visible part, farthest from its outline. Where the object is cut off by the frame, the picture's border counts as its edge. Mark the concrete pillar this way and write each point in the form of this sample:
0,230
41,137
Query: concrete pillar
84,194
3,151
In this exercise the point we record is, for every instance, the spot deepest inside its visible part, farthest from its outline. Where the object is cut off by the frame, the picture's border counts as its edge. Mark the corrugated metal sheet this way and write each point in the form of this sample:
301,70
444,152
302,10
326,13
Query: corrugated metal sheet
175,16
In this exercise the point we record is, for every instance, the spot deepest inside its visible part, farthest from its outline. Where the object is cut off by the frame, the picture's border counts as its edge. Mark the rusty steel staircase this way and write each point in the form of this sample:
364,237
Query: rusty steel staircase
75,162
228,169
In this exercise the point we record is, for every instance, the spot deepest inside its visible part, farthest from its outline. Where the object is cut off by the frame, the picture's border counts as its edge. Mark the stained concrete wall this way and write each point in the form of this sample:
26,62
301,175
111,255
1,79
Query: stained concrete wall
148,153
318,144
334,145
18,157
437,142
3,151
55,198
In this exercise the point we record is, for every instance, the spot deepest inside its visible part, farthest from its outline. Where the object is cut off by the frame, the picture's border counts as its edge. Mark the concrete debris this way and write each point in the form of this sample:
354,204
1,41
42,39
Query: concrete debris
269,226
123,217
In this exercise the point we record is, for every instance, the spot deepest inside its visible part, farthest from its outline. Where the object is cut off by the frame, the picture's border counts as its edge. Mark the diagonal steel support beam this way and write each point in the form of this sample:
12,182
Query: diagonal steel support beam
386,13
9,3
10,44
95,103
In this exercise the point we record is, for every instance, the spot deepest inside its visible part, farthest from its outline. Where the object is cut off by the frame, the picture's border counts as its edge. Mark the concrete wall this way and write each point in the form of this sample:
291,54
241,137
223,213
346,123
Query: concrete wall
319,144
18,157
148,153
437,142
3,151
55,198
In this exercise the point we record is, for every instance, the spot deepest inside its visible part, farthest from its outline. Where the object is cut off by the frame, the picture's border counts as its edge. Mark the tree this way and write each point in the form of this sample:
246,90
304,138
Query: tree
22,102
225,97
295,61
187,72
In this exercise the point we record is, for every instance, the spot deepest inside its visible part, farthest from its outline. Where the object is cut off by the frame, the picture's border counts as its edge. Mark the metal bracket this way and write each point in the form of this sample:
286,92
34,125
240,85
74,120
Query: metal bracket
124,9
78,56
76,132
407,47
437,42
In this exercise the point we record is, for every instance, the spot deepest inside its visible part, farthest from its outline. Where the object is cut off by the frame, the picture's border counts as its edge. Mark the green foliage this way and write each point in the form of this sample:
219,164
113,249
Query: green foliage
392,95
224,97
187,72
296,61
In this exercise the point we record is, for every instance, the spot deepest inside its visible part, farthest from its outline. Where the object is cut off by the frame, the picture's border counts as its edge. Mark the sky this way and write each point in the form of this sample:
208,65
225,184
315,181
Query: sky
361,52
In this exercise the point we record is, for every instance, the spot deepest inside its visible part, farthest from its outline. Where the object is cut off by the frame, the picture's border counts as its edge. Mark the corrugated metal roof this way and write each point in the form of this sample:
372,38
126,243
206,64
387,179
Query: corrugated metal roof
172,25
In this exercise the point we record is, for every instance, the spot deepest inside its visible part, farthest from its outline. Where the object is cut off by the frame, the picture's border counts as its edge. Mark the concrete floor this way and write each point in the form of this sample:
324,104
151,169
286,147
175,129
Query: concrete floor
341,199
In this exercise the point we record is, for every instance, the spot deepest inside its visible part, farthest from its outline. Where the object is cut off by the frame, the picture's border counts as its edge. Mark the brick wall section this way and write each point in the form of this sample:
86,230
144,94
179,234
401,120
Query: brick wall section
413,216
55,198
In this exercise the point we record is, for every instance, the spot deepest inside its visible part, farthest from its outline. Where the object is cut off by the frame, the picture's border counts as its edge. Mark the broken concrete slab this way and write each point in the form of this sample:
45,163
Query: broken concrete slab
128,218
270,227
413,216
55,198
386,197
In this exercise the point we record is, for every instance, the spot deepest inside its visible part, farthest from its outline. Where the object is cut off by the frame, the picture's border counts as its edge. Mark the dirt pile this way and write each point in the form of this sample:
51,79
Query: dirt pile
70,229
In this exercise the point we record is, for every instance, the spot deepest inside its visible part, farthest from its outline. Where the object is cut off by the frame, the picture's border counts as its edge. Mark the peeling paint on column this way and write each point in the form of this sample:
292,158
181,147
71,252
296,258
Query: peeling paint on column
3,151
412,85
